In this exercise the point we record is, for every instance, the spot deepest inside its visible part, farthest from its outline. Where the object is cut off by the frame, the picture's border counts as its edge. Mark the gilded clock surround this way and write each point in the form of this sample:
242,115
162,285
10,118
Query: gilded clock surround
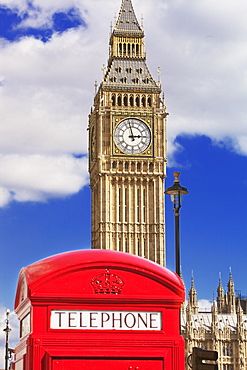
118,151
128,188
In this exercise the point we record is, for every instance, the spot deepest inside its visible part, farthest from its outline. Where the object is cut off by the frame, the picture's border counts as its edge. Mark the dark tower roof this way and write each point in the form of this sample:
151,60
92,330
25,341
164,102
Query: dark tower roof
127,21
127,69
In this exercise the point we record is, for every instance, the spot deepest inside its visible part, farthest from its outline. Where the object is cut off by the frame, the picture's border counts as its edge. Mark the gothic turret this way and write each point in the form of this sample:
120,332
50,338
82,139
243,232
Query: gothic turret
230,297
220,297
192,302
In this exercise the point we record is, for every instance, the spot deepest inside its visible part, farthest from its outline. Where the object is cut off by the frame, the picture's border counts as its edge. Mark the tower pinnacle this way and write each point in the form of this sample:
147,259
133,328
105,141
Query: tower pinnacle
193,303
127,22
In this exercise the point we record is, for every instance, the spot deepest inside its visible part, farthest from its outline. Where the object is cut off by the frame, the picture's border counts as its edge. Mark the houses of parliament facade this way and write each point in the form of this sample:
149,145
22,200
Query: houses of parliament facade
127,166
224,329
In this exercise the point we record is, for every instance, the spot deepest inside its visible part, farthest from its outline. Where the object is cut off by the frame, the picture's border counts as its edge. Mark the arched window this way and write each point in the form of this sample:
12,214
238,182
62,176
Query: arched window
113,100
131,101
119,100
149,101
137,101
125,100
143,101
137,49
138,204
139,248
133,50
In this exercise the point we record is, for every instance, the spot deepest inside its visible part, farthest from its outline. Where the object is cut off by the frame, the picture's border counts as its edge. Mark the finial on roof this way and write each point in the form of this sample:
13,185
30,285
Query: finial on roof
95,86
192,278
159,73
239,310
103,69
220,280
142,22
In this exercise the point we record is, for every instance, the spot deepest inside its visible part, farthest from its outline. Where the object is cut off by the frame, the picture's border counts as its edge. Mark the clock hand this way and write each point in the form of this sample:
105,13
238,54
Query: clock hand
138,136
131,133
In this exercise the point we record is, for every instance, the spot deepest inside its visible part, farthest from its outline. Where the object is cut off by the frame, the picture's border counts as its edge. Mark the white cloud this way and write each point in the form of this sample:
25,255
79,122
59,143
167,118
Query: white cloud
47,89
40,177
13,335
204,305
203,55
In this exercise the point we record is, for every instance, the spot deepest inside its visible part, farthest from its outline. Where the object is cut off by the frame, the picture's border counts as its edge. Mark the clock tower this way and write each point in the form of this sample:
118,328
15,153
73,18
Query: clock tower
127,148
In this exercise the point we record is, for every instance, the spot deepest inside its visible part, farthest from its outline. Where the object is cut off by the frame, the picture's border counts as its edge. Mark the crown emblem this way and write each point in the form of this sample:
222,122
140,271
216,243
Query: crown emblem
107,283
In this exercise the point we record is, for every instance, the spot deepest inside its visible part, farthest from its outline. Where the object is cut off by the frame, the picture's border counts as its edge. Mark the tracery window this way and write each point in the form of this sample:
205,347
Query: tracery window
113,99
137,50
143,101
138,204
227,349
131,101
144,205
119,205
139,247
133,50
125,100
125,205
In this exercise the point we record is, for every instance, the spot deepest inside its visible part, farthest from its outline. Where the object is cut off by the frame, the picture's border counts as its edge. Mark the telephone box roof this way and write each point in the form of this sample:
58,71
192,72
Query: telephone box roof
49,268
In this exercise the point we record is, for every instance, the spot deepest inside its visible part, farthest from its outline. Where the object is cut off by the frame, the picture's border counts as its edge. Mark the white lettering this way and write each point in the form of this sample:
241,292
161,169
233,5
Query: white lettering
105,320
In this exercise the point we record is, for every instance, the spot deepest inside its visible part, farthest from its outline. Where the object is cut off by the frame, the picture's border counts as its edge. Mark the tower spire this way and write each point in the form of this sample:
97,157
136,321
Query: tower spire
192,302
220,296
231,304
127,21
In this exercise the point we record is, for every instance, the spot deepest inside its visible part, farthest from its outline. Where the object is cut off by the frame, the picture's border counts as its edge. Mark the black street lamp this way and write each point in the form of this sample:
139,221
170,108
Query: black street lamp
176,191
7,349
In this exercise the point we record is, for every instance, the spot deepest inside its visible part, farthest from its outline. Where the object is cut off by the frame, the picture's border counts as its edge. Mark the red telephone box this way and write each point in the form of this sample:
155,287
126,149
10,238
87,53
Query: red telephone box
98,310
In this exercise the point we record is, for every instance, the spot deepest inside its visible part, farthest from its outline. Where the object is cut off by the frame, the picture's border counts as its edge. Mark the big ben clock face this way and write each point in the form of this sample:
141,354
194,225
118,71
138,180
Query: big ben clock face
132,136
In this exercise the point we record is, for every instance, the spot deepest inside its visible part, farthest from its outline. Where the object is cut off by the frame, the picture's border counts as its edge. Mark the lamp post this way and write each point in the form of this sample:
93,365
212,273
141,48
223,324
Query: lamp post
176,191
7,331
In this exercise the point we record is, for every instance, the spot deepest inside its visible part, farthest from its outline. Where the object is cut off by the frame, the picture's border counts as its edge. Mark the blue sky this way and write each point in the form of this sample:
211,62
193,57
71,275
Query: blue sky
50,57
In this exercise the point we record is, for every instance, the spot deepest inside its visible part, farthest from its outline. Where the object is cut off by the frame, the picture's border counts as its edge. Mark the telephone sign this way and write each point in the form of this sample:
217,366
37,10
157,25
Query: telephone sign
105,320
